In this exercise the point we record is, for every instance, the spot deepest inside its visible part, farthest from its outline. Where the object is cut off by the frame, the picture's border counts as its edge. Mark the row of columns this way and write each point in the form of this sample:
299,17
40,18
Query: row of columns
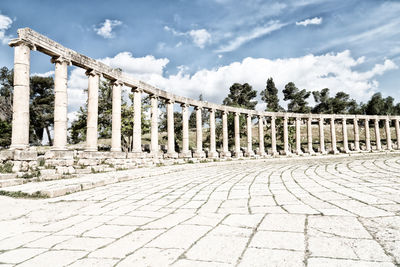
20,125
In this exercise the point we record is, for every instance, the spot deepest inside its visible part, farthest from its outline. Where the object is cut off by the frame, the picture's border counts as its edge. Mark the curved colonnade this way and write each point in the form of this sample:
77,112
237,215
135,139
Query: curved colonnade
63,57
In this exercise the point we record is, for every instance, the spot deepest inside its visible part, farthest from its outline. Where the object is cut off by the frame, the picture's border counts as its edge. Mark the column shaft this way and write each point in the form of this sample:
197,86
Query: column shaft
377,135
367,136
238,153
213,149
321,136
137,121
261,147
116,117
285,136
92,117
397,126
356,135
225,144
298,136
333,137
273,136
250,151
154,125
388,135
60,103
185,132
309,136
20,117
199,134
345,137
170,130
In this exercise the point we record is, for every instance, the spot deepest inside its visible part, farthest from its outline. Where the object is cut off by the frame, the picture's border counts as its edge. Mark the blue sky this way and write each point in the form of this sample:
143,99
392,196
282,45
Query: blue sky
203,46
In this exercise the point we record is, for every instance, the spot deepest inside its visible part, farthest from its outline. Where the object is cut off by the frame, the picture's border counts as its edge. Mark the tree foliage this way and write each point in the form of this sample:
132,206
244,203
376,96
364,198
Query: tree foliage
340,104
270,96
241,95
297,98
379,105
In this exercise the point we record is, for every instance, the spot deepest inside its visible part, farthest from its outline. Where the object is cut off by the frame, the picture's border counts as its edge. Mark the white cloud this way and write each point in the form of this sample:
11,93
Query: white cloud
199,37
255,33
45,74
5,24
334,71
313,21
106,28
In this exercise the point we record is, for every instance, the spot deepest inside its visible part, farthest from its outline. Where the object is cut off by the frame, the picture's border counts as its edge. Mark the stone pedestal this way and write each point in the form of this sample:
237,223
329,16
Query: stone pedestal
186,154
199,154
225,154
213,155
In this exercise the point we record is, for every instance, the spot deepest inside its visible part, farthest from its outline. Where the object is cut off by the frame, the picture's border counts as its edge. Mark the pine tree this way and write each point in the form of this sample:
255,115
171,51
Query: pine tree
270,96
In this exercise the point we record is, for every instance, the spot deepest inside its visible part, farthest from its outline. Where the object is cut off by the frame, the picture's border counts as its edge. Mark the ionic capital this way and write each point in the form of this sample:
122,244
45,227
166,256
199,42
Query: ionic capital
169,101
91,72
152,96
18,42
185,105
225,112
60,59
198,108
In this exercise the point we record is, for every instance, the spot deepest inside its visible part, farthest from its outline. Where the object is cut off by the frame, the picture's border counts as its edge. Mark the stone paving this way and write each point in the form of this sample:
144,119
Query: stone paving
312,212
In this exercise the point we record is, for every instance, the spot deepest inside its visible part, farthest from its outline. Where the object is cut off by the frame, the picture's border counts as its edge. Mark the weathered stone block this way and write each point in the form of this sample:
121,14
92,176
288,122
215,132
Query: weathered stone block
92,155
59,154
117,155
46,172
87,162
6,155
25,155
59,162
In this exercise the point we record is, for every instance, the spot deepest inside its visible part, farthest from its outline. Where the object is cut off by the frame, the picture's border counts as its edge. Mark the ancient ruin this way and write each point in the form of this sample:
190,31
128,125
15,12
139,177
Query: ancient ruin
66,161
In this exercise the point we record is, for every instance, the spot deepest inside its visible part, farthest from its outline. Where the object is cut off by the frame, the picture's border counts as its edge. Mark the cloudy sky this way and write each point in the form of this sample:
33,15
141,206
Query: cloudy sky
203,46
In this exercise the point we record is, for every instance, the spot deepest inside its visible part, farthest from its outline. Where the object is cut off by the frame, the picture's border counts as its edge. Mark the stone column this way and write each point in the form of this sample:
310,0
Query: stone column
20,117
345,137
273,136
116,117
388,135
170,128
356,135
261,147
285,136
377,135
186,153
199,134
92,116
321,135
225,144
333,137
213,149
367,136
154,125
309,136
60,103
137,121
298,137
250,151
238,152
397,126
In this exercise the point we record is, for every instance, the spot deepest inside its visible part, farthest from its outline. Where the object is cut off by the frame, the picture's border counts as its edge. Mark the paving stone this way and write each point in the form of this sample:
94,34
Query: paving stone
94,262
84,243
317,262
19,255
113,231
54,258
283,222
151,257
268,257
278,240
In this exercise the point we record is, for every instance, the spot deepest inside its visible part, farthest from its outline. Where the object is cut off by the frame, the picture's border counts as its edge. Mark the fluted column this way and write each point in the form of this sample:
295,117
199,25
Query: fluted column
213,148
367,136
388,135
199,135
397,127
60,103
377,135
321,135
250,151
170,130
116,117
273,136
333,137
345,137
20,117
238,153
92,116
261,147
154,125
137,121
225,145
285,136
356,135
185,153
298,137
309,136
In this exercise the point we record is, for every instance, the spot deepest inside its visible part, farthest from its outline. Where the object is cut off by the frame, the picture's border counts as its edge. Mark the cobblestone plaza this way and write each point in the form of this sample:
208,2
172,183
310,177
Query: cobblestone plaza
315,211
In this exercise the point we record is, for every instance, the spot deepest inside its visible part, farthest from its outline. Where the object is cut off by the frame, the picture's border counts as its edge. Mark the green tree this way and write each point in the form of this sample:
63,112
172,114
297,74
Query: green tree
241,95
297,98
340,104
378,105
270,96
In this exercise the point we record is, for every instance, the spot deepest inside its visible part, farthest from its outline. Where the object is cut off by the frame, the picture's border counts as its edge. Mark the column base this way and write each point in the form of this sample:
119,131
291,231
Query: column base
118,149
261,153
225,154
199,154
334,152
299,153
155,154
249,154
213,155
237,154
171,155
286,153
16,146
185,154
